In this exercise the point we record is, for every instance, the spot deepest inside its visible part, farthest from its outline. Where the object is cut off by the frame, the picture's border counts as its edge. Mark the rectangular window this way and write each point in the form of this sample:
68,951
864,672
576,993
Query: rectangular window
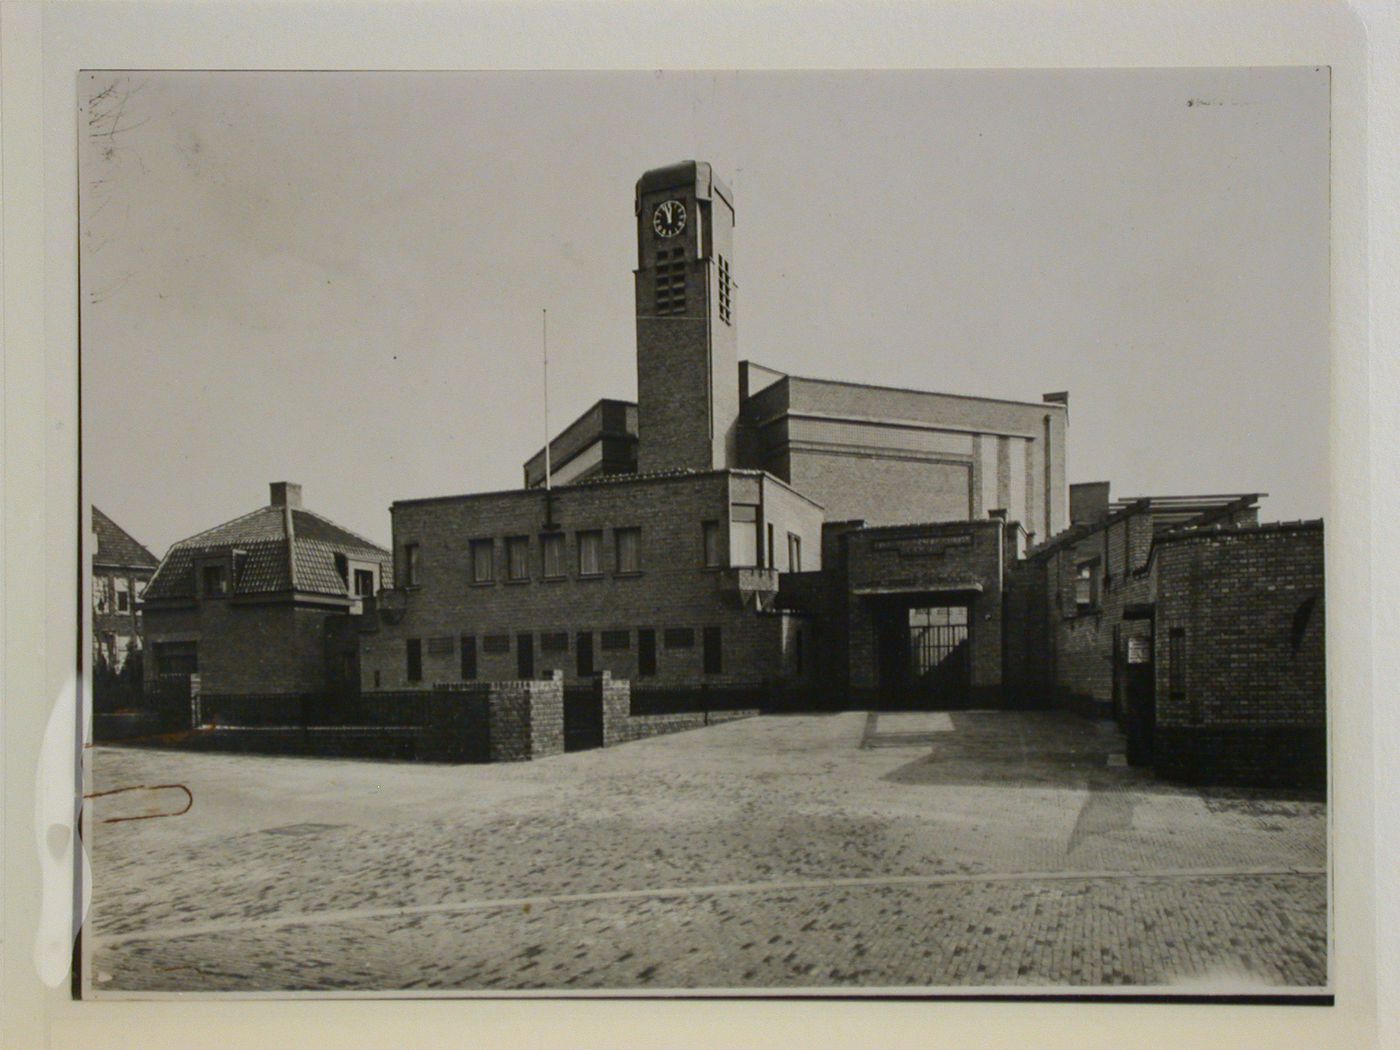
496,643
524,656
646,652
794,552
410,565
483,561
413,652
590,553
552,552
213,581
468,657
518,558
714,663
629,549
583,653
123,597
102,587
440,646
679,637
1086,587
771,550
617,639
554,642
364,583
711,537
743,535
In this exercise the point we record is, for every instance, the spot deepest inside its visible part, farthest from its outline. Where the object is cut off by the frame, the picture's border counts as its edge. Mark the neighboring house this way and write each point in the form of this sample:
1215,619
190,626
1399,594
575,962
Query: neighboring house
121,568
248,605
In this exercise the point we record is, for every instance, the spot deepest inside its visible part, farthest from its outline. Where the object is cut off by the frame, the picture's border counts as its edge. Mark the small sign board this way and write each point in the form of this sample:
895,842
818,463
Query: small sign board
1139,651
923,546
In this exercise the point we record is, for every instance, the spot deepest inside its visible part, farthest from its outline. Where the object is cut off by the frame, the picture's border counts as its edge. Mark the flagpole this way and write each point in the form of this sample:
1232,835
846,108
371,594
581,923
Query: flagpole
544,340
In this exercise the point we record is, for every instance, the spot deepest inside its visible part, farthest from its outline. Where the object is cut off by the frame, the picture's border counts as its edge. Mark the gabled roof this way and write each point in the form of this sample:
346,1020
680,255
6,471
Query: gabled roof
116,547
259,542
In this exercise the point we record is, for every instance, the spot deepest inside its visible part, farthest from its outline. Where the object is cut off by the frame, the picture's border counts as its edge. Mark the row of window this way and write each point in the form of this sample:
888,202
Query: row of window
746,548
672,638
670,280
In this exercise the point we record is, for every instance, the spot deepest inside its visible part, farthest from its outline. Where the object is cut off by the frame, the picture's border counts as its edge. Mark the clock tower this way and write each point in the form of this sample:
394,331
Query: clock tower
687,360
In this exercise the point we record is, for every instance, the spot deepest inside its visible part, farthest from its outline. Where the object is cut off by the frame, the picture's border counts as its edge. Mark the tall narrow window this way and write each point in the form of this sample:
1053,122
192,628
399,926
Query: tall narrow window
794,552
670,280
483,561
364,583
629,549
590,553
583,653
646,652
410,564
726,292
518,558
743,535
710,530
711,650
413,652
1086,587
468,657
770,552
552,554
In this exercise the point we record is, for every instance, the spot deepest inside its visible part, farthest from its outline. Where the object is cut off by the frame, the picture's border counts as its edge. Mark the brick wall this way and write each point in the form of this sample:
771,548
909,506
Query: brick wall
674,589
519,720
1245,699
898,456
621,725
246,648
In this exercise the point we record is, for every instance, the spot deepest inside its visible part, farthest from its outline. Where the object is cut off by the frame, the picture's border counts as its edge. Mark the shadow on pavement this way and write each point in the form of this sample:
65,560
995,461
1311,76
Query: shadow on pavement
1051,749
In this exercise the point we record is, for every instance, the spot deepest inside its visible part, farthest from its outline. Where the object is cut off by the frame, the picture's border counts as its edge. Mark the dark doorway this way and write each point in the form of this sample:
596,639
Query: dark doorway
1139,700
923,652
525,656
583,717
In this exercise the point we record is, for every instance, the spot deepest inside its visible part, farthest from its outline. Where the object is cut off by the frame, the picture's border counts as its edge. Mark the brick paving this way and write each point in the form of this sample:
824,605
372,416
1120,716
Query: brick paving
980,850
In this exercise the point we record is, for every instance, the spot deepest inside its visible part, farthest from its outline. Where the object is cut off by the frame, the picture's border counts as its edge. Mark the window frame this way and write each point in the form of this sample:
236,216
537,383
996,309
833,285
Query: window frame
474,548
634,533
711,556
411,567
514,545
794,552
592,535
413,659
555,541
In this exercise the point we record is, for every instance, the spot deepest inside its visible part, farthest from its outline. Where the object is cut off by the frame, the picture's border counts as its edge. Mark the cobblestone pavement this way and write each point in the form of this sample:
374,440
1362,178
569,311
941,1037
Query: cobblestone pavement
981,849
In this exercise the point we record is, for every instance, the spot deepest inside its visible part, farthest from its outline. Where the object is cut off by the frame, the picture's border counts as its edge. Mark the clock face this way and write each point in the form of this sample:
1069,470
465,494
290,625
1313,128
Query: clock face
669,218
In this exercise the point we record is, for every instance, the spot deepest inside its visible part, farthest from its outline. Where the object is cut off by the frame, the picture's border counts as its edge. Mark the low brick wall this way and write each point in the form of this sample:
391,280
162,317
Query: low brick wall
397,742
622,724
496,721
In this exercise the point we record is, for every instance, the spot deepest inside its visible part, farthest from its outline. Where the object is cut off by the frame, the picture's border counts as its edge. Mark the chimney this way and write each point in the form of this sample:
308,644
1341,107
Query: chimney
286,494
1088,502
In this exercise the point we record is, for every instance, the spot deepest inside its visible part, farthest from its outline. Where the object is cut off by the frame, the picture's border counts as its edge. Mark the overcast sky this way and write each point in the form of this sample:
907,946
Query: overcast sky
337,278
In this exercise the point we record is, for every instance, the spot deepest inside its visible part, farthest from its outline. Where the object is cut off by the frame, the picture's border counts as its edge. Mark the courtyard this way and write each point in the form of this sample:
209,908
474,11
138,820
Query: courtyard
836,852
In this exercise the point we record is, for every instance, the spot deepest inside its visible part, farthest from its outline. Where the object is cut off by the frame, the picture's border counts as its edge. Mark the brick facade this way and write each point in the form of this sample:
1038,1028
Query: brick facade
1241,695
889,456
672,593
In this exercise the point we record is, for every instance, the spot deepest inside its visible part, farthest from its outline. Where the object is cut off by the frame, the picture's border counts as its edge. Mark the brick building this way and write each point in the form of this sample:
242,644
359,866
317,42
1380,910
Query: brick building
1182,618
245,606
121,568
670,526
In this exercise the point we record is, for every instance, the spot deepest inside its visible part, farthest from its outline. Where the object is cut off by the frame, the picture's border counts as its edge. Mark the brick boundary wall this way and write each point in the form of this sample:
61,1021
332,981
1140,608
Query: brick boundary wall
622,726
509,721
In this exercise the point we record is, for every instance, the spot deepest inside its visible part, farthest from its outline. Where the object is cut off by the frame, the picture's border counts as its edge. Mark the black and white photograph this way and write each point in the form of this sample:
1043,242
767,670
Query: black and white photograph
675,534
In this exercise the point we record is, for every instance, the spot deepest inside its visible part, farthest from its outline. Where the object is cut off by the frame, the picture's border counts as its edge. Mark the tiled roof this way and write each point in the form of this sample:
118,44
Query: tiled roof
115,546
261,566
